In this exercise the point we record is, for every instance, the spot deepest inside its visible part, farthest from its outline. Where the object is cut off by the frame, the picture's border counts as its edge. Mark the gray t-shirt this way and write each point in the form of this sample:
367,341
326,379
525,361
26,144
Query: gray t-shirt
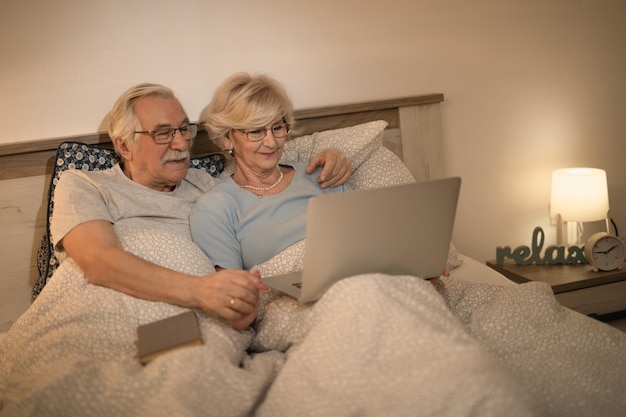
82,196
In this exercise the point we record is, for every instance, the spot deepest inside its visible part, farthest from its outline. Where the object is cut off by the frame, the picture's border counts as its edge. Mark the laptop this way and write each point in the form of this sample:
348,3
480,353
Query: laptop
398,230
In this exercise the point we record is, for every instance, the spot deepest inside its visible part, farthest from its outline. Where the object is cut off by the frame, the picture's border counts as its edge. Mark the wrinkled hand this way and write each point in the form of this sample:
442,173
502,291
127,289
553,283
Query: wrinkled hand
232,294
445,274
336,168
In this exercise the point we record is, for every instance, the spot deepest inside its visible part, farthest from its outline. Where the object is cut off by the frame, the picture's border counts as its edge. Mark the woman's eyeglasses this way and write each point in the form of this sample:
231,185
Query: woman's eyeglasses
279,130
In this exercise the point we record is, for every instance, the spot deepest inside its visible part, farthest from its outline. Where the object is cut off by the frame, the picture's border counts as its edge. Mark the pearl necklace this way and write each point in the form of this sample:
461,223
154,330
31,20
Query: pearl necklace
265,189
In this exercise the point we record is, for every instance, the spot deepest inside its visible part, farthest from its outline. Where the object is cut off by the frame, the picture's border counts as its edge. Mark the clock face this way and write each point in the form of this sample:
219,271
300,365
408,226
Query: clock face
607,253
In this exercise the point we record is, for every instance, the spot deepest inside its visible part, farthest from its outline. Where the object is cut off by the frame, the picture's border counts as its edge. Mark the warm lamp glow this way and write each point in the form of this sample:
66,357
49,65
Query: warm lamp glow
578,195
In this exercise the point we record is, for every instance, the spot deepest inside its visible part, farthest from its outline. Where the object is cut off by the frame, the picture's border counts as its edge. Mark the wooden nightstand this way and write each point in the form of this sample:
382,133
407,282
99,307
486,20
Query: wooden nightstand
598,294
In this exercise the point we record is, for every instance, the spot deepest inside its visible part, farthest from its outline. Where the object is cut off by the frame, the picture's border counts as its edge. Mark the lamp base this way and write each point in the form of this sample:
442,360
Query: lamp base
577,233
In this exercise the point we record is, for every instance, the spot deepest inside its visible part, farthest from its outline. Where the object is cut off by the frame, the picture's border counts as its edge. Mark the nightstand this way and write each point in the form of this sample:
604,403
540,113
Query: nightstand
598,294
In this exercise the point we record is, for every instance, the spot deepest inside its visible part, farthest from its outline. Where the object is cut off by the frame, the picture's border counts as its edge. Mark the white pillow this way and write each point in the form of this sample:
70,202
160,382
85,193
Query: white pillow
355,142
382,168
374,165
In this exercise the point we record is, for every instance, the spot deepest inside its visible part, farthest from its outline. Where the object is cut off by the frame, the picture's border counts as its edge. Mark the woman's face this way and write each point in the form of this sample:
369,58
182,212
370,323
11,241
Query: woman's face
262,154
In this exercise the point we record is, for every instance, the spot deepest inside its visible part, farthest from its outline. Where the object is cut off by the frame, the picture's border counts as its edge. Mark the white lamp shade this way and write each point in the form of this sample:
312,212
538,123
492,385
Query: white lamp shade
579,194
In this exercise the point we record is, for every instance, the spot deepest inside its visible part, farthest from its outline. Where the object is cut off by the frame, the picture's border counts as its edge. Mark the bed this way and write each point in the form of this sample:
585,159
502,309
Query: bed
472,343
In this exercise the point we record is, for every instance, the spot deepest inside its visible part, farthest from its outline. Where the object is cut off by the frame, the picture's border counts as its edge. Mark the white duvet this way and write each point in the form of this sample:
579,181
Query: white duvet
373,345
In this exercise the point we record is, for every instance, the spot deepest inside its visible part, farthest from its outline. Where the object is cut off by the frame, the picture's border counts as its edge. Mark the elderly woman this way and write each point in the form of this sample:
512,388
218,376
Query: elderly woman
261,209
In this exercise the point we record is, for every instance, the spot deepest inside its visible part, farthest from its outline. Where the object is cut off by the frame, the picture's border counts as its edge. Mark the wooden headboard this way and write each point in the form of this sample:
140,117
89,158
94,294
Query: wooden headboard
414,134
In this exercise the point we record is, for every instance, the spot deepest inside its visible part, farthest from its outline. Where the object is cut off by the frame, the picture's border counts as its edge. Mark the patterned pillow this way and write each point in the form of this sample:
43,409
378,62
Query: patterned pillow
78,155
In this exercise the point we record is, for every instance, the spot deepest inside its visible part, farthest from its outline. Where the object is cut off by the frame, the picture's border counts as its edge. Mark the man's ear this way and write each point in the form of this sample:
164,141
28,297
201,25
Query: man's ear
123,149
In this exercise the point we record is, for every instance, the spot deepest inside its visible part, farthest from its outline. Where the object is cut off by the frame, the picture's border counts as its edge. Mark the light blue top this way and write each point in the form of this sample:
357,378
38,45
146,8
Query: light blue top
237,229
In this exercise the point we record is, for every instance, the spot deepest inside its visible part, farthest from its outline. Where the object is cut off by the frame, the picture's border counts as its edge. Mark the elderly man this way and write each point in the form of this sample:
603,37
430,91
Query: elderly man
153,188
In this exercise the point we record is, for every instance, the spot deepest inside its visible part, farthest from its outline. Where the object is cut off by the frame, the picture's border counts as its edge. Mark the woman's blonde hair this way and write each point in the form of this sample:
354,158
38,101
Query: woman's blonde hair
245,101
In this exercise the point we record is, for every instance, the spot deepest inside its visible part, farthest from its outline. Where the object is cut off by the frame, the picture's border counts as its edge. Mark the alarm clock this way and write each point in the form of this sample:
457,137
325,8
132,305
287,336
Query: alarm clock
605,252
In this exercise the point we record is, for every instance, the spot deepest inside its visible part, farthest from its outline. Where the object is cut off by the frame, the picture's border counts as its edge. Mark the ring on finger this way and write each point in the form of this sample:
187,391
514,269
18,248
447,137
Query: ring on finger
232,301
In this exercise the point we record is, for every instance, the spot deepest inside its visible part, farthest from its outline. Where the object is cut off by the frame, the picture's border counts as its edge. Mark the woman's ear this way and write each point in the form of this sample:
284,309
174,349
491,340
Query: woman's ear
227,142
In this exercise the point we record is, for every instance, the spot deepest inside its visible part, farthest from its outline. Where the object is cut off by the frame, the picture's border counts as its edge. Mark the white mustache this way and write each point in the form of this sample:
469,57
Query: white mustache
173,155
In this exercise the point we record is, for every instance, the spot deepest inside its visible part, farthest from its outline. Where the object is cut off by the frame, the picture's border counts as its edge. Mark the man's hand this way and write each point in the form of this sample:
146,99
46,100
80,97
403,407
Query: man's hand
232,294
336,168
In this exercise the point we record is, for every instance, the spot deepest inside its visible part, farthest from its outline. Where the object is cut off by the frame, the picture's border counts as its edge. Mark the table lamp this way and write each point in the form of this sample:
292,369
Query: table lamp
578,195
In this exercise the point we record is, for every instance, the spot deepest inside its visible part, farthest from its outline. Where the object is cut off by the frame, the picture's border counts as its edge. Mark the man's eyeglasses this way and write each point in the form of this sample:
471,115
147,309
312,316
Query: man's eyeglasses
164,135
279,130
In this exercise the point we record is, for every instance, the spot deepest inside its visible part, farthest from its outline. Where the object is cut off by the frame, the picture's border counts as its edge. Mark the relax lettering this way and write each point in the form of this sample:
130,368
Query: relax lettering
554,255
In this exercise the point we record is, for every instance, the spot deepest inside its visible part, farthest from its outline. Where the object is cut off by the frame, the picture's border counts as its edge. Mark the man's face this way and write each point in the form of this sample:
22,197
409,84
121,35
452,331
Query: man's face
159,166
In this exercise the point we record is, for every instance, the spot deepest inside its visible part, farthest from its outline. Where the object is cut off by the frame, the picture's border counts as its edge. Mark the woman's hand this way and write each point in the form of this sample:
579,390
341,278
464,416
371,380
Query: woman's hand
336,168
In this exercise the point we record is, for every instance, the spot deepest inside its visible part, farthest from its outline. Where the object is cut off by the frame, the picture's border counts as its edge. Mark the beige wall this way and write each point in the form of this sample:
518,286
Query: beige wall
530,86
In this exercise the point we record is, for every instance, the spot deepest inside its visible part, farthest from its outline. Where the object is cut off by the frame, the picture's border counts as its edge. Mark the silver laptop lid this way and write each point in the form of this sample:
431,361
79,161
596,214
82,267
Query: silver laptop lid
399,230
